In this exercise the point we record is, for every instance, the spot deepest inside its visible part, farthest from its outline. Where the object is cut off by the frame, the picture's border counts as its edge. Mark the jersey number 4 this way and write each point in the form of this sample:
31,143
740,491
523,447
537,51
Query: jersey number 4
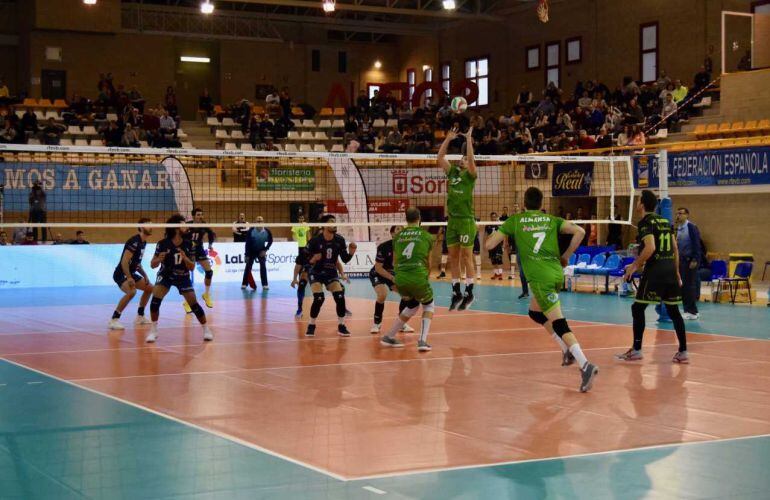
540,237
408,250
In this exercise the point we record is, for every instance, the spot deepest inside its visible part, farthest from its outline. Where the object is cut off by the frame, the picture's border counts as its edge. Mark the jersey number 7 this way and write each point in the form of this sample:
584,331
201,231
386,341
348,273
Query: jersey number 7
540,237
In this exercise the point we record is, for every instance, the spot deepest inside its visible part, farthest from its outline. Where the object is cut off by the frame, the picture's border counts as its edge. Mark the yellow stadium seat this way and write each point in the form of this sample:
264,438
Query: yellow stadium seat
763,127
712,130
700,130
326,112
59,103
218,110
258,110
29,102
722,131
297,111
736,129
339,111
749,127
45,103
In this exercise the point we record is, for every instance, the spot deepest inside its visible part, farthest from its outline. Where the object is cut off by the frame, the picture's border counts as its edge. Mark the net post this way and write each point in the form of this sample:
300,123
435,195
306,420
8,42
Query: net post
665,211
612,189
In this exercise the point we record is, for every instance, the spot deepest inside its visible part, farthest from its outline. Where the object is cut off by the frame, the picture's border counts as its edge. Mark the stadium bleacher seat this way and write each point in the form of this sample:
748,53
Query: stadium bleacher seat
321,136
700,131
237,134
326,112
40,115
661,134
305,148
291,148
95,142
258,110
325,124
338,124
59,103
212,121
112,117
44,103
246,146
33,141
81,142
187,145
292,135
231,146
339,112
29,102
221,134
306,135
337,148
297,111
308,124
379,123
703,103
144,144
90,130
65,142
392,123
52,114
764,126
228,122
181,134
319,148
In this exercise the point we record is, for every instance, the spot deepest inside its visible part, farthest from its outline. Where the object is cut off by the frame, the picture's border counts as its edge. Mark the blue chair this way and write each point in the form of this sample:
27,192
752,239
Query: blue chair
742,274
718,271
584,258
572,260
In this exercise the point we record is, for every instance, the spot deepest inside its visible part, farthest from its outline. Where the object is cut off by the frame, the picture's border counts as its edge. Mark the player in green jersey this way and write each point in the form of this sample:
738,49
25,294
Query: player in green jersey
411,261
537,240
461,222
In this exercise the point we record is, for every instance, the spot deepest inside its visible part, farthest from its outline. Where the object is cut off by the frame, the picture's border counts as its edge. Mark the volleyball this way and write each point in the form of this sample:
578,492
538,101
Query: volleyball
459,104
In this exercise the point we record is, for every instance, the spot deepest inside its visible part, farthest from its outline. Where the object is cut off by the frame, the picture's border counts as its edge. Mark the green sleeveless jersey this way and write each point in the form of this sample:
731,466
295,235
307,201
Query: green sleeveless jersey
537,241
459,196
411,249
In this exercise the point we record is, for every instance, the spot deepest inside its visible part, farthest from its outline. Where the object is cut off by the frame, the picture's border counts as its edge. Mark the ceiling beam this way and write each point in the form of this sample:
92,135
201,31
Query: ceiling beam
379,9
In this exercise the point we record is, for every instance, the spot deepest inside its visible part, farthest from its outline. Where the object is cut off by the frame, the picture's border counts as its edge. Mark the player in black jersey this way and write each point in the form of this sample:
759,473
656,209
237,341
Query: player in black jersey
130,277
496,254
300,278
326,249
661,281
381,277
196,235
174,254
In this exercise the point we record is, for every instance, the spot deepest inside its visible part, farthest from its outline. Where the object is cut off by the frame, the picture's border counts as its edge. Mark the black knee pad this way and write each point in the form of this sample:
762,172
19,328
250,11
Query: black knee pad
412,303
209,274
560,327
198,311
318,298
538,317
339,299
155,304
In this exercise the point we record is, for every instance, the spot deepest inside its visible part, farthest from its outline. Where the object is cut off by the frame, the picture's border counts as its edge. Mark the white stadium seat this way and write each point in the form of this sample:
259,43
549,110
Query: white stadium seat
293,135
321,136
231,146
305,148
222,134
337,148
319,148
291,148
246,146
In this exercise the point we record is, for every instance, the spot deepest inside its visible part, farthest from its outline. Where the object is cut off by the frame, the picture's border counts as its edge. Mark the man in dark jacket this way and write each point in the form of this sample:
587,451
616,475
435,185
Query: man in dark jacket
258,242
689,242
38,211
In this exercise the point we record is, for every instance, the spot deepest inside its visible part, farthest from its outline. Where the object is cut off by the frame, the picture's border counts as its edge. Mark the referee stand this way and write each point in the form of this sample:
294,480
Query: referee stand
666,211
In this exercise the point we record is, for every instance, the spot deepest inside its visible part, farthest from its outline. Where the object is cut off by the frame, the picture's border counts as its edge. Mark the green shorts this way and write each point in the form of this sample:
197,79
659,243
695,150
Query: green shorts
546,293
460,231
414,287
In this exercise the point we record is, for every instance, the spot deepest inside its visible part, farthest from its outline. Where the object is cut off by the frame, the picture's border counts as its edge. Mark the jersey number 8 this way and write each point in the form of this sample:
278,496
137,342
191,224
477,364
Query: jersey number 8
329,253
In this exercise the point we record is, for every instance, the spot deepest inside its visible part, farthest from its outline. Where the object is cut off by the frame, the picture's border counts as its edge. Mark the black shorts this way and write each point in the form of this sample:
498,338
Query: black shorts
375,279
182,283
119,277
654,290
496,257
201,254
324,276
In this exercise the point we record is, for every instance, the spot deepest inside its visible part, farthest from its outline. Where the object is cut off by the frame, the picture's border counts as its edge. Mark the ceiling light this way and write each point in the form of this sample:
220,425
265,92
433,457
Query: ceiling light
449,4
89,2
328,6
195,59
207,7
377,64
425,67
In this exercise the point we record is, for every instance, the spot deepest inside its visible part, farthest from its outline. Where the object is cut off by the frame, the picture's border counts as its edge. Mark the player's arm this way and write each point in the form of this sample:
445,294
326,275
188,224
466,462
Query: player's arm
379,269
212,237
578,233
124,262
341,272
443,163
471,160
188,262
676,258
644,255
346,254
295,277
494,239
160,255
315,251
141,270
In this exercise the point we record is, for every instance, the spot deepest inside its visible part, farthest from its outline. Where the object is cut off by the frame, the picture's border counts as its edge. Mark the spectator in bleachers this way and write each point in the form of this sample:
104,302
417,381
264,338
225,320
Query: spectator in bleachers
80,239
3,239
57,239
205,103
167,124
11,133
112,135
363,104
20,232
585,141
169,101
603,139
701,80
379,141
5,93
679,92
52,132
136,99
273,103
593,232
637,136
351,143
393,142
268,145
634,113
663,81
669,111
130,137
29,122
525,97
285,101
29,239
688,241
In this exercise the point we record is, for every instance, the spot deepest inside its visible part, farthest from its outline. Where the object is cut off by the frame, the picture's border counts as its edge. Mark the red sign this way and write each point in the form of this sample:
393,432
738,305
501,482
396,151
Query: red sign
389,206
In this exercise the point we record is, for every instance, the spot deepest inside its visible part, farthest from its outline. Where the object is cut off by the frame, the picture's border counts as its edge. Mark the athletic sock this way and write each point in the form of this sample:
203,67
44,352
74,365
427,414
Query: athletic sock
397,326
564,347
424,330
379,308
140,311
579,356
115,315
207,288
456,287
468,283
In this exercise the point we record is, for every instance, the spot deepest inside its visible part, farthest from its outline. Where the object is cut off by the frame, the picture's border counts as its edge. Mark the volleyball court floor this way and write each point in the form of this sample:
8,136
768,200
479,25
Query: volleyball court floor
263,412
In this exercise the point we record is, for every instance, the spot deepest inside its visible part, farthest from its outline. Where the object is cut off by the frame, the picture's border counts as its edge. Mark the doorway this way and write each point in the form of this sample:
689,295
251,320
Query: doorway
53,84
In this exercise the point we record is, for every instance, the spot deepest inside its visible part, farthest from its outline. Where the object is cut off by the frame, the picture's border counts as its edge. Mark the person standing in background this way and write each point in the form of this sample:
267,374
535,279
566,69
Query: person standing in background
689,242
301,232
615,232
258,242
240,229
37,208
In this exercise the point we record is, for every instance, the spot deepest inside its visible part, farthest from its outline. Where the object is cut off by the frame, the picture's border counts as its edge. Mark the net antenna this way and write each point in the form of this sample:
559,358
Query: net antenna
542,10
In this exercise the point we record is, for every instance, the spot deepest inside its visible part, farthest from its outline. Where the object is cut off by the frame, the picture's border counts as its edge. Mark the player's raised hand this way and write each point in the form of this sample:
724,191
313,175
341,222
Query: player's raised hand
469,134
451,135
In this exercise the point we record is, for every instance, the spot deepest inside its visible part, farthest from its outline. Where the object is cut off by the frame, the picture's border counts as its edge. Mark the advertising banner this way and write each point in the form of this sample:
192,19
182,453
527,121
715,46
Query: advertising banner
285,179
409,182
572,179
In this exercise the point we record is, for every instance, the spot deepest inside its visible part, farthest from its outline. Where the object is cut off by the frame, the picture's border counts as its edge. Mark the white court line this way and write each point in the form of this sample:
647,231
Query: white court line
213,432
279,340
549,459
374,490
378,362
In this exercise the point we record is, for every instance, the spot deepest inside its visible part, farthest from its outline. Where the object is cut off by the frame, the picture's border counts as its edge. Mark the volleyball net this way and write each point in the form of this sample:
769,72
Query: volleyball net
110,189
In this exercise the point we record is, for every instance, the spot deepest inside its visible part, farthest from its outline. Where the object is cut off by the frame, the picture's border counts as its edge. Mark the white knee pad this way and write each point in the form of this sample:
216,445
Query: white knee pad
428,308
409,311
